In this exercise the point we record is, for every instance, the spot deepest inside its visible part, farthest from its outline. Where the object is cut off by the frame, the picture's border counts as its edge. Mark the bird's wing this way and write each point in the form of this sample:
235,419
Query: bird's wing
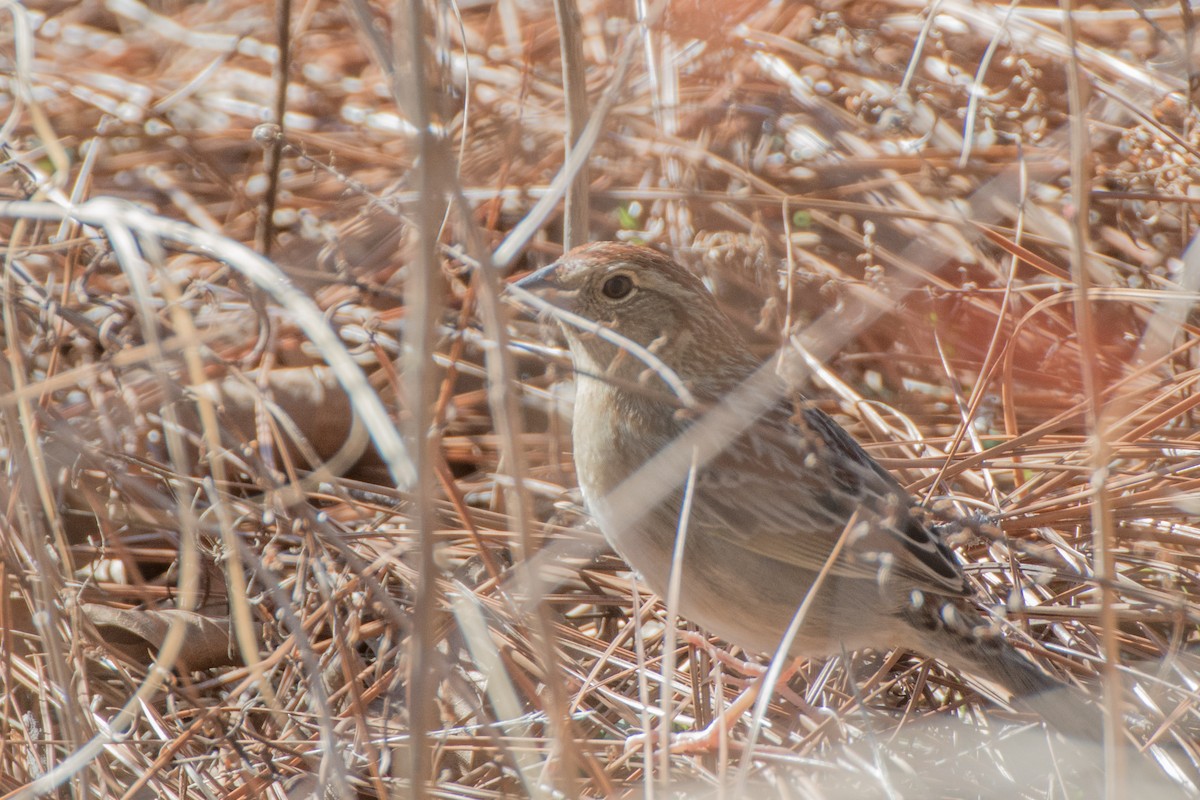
813,478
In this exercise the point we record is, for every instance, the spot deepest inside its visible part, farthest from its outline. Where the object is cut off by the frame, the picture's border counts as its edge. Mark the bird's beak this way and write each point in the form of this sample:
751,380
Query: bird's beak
546,288
539,281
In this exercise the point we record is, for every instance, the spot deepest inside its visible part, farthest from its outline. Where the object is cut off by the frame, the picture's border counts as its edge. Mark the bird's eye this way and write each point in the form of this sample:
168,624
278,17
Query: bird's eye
617,287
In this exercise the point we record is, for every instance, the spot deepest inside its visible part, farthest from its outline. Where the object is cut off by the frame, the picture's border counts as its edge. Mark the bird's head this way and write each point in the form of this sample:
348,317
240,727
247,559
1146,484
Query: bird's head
646,298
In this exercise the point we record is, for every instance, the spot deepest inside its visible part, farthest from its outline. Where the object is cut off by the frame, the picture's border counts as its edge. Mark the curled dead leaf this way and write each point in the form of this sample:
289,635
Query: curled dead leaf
139,633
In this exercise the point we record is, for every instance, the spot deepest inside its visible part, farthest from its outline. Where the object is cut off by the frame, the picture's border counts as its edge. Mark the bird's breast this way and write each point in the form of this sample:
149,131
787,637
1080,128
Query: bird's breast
613,436
613,439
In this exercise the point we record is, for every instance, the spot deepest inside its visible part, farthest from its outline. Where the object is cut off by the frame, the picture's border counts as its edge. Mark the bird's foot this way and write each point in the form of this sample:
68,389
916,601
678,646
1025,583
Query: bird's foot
699,742
710,738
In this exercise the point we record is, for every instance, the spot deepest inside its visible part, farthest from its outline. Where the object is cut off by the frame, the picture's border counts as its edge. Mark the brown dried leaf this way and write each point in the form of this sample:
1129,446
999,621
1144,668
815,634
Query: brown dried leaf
140,632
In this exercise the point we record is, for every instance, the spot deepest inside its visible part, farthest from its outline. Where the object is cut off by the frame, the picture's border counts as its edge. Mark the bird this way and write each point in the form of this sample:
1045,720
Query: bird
777,506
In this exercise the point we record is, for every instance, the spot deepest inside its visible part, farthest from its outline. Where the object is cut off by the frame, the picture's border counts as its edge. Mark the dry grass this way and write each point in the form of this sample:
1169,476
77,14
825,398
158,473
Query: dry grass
191,608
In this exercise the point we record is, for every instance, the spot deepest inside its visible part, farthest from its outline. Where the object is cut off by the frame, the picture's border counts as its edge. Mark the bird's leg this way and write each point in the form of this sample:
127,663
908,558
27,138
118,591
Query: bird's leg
709,739
741,666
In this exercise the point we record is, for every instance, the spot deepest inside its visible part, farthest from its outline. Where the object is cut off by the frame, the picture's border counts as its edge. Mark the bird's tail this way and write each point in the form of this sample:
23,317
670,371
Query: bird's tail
959,636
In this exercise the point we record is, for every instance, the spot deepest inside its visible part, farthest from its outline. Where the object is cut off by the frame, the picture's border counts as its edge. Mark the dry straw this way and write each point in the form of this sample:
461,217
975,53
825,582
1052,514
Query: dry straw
307,524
